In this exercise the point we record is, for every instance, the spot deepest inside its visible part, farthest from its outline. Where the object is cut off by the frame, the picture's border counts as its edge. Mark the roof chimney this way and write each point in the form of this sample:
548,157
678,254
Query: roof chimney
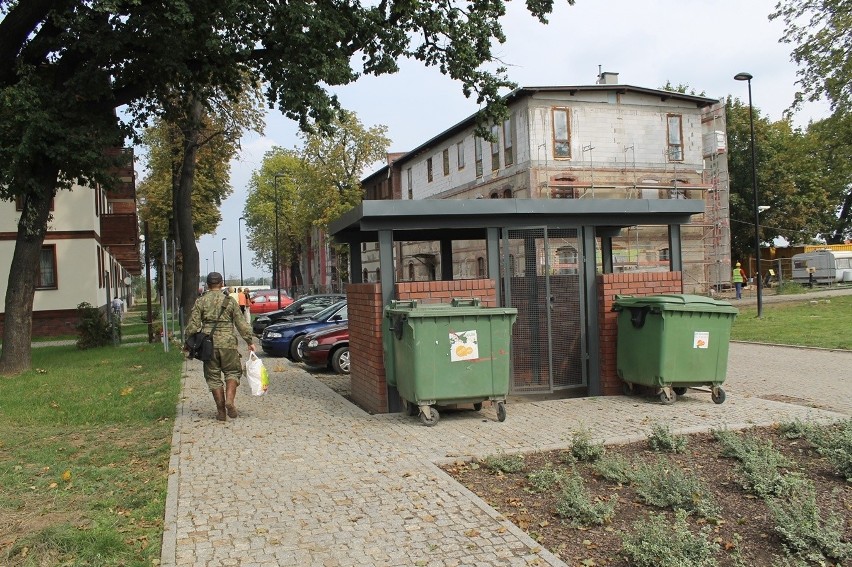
608,78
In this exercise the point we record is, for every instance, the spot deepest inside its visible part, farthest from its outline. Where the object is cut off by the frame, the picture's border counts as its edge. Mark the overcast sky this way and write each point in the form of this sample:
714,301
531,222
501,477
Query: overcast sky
701,43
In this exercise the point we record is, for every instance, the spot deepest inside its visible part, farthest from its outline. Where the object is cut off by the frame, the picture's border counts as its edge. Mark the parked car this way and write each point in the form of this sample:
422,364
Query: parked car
266,300
302,308
282,339
327,348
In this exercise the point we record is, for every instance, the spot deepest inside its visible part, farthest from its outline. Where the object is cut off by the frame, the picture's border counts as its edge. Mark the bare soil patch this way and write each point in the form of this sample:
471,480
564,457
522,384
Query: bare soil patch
743,534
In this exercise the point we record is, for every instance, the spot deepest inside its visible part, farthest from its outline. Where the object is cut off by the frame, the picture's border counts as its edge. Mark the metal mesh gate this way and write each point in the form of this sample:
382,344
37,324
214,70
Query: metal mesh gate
541,274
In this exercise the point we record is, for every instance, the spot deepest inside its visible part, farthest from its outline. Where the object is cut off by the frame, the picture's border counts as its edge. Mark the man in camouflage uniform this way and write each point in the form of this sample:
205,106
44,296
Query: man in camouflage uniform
214,308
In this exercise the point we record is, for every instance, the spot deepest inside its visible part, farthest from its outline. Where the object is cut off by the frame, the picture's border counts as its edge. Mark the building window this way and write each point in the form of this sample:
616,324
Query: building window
511,264
460,155
100,267
477,155
507,193
566,259
495,148
494,195
665,255
410,182
411,271
445,158
378,274
19,204
429,170
365,276
674,128
508,136
46,276
480,267
561,133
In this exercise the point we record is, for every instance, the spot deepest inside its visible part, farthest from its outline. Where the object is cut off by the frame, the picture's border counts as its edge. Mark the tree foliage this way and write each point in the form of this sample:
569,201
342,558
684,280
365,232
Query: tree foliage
66,65
790,180
821,34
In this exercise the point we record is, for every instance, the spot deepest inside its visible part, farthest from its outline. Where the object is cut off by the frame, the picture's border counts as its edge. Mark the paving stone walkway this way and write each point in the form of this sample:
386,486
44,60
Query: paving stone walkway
305,478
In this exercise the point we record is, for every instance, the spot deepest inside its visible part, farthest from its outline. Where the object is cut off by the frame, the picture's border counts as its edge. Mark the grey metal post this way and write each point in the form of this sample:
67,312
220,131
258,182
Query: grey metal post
675,251
164,302
446,260
387,281
592,362
492,254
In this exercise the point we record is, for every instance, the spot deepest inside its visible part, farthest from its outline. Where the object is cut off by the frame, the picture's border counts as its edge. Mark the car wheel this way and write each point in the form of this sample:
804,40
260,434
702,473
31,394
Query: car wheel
340,360
296,348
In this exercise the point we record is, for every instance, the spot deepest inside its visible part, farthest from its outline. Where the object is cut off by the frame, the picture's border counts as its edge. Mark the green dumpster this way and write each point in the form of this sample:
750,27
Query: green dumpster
453,353
673,342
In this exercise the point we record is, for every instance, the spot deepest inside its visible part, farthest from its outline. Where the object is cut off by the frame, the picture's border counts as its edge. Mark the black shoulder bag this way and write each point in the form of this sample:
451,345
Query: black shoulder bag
200,345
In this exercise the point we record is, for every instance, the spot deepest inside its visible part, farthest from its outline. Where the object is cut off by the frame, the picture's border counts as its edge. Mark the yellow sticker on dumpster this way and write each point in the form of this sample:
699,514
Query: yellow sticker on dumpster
701,339
463,346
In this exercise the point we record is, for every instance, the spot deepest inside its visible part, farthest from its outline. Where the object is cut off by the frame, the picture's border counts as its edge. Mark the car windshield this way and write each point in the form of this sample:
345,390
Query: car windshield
326,313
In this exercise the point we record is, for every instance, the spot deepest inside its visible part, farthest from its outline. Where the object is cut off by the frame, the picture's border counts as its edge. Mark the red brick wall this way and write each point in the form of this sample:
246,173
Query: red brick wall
369,388
636,284
446,291
51,323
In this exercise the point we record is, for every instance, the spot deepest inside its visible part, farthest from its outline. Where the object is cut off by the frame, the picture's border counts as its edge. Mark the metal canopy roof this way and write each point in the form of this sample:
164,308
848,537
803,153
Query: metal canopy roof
430,219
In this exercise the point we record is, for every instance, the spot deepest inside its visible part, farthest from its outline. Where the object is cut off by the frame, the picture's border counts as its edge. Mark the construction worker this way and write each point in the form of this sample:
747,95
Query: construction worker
738,276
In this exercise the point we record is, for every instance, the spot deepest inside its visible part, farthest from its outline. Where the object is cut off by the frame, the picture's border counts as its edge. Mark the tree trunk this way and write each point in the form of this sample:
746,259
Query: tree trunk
183,208
20,293
839,232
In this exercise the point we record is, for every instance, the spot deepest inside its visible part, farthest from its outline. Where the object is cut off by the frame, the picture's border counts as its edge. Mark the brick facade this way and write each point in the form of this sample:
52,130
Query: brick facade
52,323
636,284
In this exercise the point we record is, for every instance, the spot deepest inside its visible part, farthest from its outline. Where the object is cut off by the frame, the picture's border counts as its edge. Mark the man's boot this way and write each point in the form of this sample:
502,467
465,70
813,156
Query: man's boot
219,396
231,393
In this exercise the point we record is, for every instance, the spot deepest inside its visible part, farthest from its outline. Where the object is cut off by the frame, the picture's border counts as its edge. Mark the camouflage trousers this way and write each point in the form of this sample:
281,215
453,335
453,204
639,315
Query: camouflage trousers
225,361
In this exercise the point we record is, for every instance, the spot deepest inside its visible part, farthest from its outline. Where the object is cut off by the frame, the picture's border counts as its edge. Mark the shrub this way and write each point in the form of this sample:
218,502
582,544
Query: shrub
93,329
663,485
658,542
544,479
504,463
576,505
795,429
760,463
835,444
583,449
662,439
614,468
789,288
804,532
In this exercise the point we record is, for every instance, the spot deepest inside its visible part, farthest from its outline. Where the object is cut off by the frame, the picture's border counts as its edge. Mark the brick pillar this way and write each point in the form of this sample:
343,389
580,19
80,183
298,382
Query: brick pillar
637,284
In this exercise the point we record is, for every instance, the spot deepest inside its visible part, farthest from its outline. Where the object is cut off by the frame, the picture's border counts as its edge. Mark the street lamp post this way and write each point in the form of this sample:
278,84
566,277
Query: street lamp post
276,275
214,261
748,77
224,277
206,265
240,237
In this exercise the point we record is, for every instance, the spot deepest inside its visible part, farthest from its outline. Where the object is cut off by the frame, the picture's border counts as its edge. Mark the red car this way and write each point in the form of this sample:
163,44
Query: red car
266,300
327,348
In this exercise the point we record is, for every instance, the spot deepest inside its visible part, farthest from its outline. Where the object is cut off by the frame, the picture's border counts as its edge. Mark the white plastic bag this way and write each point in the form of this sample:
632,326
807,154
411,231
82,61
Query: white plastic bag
257,375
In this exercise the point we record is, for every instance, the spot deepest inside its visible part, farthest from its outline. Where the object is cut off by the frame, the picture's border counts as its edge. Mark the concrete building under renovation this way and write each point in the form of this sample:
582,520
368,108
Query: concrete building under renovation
601,141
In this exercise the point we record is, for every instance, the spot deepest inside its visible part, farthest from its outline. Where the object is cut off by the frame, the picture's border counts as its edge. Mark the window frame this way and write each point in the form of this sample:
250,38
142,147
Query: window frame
460,155
508,142
477,155
495,148
555,141
445,161
39,284
429,170
410,180
669,145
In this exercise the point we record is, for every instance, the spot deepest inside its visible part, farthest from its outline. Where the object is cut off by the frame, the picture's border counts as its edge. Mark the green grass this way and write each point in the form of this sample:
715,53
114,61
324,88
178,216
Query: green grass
84,447
824,323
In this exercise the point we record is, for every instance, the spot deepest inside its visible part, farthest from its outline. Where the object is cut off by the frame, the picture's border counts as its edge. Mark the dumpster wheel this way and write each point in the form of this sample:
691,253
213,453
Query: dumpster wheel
501,411
477,406
627,389
667,396
411,409
717,394
430,419
680,391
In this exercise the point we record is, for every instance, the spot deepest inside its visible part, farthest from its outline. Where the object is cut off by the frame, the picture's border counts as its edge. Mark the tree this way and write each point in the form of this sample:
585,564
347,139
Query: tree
66,65
833,138
790,180
189,156
821,35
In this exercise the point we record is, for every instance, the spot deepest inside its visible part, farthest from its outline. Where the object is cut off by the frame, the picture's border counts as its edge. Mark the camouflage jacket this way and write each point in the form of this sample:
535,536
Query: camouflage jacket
208,309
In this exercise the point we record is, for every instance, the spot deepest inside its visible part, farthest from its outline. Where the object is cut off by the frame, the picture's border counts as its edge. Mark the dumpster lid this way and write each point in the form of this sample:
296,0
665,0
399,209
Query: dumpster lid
674,302
459,307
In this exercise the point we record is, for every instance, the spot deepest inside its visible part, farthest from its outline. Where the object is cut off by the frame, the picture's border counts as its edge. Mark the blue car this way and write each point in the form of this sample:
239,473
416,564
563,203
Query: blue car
283,339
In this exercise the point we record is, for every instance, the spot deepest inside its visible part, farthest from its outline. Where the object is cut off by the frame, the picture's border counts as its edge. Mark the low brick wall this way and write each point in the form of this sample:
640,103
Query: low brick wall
637,284
50,323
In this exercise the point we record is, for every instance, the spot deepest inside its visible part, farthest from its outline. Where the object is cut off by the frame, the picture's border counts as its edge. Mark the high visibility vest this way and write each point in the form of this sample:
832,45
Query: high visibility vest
737,275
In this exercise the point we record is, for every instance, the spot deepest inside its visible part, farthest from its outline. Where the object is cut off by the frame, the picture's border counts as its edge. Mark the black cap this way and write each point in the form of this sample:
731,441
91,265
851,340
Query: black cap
214,278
